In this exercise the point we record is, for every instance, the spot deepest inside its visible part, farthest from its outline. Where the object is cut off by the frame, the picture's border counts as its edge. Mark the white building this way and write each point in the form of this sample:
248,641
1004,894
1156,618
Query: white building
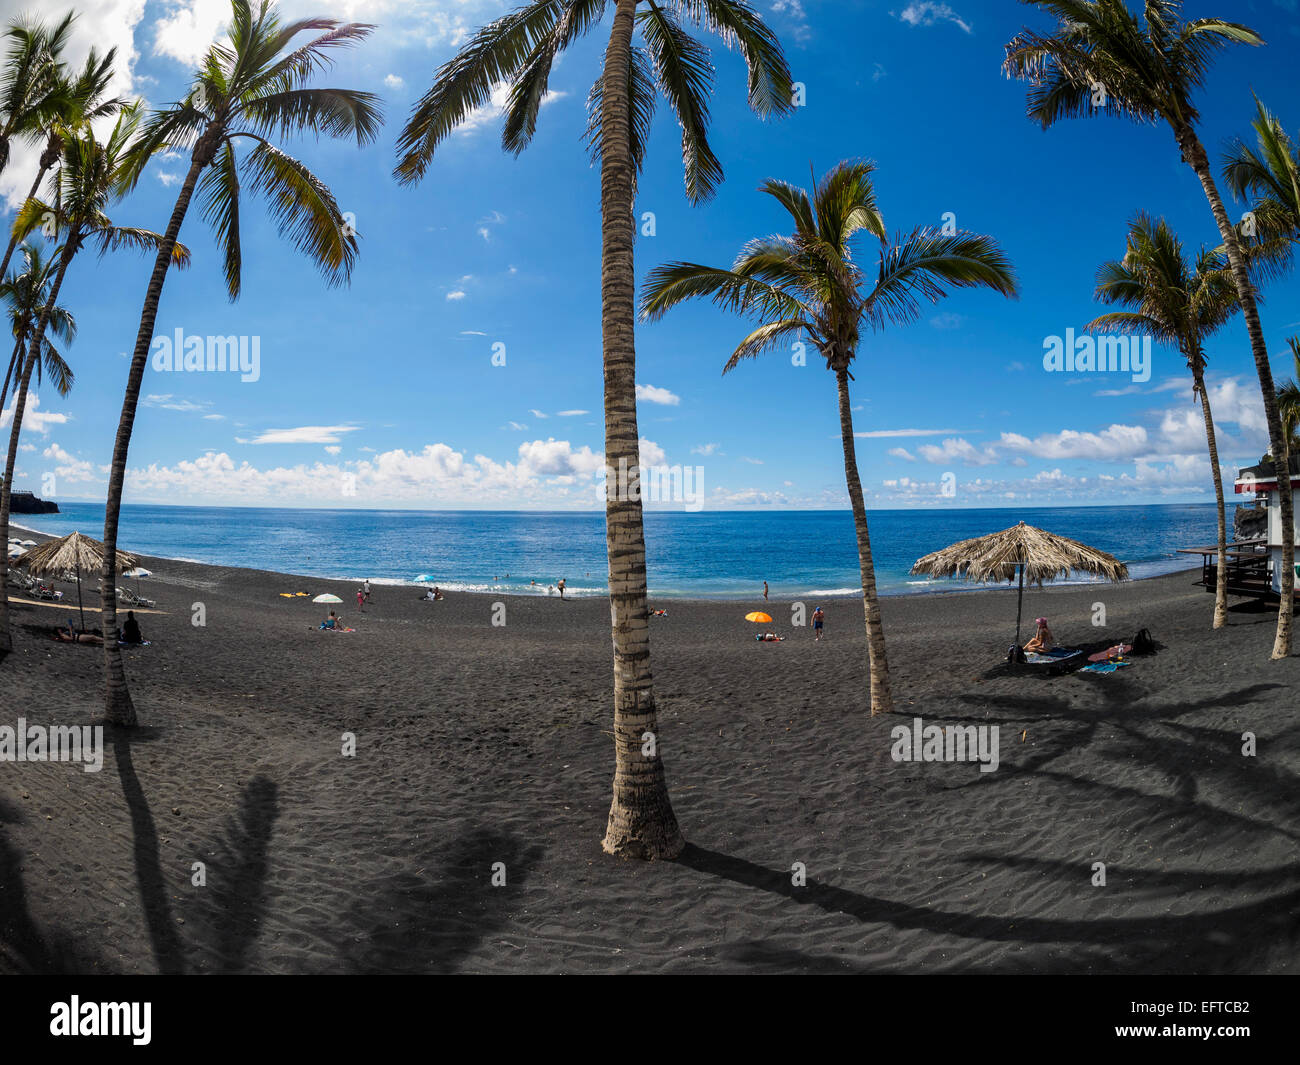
1262,483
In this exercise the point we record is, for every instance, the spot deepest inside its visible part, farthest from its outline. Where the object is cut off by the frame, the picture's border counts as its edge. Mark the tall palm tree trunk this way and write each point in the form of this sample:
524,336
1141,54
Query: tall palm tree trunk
1221,572
117,696
9,374
1194,155
48,158
641,819
20,405
882,697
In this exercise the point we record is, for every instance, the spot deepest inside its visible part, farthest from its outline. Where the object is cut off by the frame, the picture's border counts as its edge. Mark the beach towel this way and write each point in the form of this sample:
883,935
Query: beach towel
1104,667
1118,651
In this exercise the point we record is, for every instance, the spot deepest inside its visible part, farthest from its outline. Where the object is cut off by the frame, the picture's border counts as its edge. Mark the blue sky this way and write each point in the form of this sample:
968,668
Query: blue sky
385,393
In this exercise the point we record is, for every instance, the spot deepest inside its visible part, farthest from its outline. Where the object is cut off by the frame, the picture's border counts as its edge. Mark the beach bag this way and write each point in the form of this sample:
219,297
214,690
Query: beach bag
1015,654
1143,644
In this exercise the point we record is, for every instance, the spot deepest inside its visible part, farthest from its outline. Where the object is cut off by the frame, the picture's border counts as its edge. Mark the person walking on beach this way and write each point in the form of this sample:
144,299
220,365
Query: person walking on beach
765,591
560,586
817,618
361,600
365,587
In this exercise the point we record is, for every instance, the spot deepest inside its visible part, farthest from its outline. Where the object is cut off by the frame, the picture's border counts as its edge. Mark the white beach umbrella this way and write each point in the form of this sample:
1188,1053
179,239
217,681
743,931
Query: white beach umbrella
28,543
327,598
137,573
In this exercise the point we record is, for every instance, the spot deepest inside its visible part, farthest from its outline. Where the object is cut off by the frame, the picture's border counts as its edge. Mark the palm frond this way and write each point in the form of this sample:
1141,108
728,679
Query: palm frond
685,76
303,208
466,81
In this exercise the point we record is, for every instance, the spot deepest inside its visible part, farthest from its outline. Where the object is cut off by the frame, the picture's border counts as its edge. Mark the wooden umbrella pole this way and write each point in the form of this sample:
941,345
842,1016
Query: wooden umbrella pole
1020,601
80,609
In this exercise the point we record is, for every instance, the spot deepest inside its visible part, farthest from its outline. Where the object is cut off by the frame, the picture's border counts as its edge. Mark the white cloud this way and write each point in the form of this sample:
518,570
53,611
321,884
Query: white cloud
170,402
185,33
394,82
957,449
927,13
902,453
705,449
538,414
570,413
653,394
1115,444
333,449
495,108
34,419
68,467
457,294
305,434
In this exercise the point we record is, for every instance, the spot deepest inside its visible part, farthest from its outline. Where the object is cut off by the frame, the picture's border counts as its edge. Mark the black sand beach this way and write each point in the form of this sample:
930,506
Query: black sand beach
479,744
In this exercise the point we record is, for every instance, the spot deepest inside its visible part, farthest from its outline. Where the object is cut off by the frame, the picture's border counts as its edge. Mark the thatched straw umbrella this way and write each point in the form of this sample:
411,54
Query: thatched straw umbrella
1030,552
76,552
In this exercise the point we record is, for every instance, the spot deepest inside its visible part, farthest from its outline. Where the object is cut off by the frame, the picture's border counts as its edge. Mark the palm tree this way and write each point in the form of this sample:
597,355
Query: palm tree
73,103
809,283
519,50
24,295
1179,304
29,83
1268,177
246,89
1288,401
1102,58
90,172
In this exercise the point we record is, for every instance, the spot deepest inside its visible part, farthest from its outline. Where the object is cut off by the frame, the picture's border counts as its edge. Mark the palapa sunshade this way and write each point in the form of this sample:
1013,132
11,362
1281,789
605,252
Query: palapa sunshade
1022,550
72,552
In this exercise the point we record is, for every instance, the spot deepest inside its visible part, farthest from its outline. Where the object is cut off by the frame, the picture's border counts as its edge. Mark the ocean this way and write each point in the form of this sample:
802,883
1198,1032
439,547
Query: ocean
724,555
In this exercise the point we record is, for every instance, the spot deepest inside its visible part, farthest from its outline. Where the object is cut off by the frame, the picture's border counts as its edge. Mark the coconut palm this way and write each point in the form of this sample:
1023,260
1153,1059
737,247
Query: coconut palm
89,174
1288,401
1179,303
517,52
24,295
1101,58
247,89
1268,179
73,103
810,284
29,83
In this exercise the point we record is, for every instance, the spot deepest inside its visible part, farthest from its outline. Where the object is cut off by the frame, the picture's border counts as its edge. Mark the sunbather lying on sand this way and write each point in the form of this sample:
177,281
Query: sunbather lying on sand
1042,639
69,634
769,637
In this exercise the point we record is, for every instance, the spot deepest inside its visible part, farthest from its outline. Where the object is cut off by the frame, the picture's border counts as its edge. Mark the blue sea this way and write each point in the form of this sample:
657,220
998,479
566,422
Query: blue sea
724,555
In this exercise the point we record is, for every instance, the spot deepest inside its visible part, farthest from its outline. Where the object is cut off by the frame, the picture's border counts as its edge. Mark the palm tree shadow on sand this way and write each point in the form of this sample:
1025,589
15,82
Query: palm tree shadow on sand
230,910
1211,791
431,923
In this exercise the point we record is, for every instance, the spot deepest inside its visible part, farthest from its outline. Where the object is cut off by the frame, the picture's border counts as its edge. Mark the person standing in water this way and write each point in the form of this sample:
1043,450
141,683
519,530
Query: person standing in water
765,591
560,585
